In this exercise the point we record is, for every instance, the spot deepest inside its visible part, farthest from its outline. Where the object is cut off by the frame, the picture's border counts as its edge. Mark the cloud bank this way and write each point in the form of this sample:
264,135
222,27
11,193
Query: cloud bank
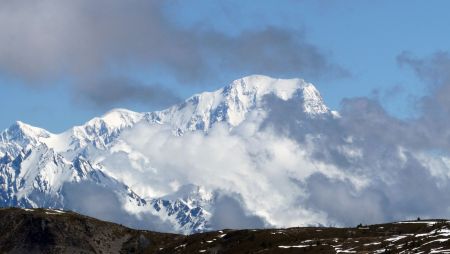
90,43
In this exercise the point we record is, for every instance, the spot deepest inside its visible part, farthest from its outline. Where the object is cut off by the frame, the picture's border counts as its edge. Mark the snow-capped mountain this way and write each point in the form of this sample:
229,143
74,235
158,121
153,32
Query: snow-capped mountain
232,103
20,137
40,169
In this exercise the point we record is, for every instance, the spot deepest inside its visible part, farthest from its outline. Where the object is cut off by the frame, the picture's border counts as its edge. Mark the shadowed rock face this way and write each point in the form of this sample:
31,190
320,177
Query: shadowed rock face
54,231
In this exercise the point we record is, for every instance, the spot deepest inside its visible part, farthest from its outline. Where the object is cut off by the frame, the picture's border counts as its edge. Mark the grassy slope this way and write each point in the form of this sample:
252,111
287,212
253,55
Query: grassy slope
47,231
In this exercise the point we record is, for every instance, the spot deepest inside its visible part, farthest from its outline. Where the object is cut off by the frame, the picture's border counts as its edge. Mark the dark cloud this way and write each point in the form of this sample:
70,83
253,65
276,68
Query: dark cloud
381,201
115,90
102,203
434,107
46,41
229,213
273,51
433,70
339,199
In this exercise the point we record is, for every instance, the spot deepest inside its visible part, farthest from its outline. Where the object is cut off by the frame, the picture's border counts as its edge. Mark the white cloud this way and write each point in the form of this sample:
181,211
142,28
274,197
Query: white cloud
266,170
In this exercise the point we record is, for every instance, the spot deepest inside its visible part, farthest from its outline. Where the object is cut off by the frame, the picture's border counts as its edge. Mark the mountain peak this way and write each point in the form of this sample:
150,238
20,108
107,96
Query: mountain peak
120,117
20,130
111,122
232,103
102,130
261,85
26,127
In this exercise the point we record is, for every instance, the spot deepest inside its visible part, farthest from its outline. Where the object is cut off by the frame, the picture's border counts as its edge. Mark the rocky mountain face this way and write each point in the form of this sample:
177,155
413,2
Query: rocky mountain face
39,169
56,231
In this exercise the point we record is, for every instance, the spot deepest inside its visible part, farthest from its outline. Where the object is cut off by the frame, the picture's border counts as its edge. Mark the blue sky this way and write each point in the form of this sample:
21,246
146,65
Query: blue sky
52,76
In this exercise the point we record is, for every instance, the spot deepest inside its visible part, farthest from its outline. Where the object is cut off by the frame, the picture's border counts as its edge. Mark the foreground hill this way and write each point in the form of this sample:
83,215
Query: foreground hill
55,231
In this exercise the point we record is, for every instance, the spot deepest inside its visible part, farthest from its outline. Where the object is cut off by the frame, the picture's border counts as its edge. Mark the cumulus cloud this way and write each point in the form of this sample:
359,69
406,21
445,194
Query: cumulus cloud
88,42
260,167
376,149
365,166
395,155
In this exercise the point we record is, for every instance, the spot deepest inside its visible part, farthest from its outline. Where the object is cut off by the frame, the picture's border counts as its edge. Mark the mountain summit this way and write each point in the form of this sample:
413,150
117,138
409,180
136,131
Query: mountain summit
232,103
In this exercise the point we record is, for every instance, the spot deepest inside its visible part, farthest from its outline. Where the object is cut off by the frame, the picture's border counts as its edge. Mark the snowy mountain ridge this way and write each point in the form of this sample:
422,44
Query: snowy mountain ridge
36,165
229,104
